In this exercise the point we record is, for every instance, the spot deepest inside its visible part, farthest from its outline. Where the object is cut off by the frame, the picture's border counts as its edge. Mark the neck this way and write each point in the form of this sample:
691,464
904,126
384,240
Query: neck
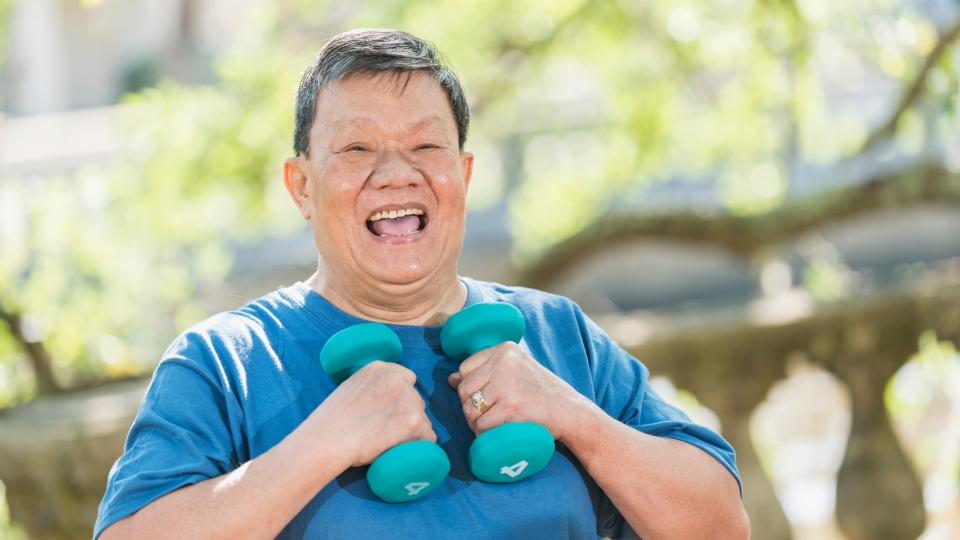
426,302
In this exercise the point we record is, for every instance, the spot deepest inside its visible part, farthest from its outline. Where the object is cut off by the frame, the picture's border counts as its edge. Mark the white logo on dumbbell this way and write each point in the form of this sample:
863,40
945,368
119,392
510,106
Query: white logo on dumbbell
414,488
515,470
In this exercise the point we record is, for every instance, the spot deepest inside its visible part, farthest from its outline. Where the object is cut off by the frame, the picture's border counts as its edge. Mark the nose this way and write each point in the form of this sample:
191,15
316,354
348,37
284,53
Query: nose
393,170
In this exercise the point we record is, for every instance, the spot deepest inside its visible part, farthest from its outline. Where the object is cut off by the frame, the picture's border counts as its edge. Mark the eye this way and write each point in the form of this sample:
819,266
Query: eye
426,146
356,148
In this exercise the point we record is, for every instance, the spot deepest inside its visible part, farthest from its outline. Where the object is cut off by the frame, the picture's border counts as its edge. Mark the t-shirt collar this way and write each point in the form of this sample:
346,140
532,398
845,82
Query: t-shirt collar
332,318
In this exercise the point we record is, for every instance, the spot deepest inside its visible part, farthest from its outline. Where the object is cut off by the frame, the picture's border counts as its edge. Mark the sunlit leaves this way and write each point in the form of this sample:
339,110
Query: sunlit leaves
756,190
578,106
922,401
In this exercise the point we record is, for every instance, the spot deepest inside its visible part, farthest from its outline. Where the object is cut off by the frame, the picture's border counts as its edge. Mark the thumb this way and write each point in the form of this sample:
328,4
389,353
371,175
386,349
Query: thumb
454,379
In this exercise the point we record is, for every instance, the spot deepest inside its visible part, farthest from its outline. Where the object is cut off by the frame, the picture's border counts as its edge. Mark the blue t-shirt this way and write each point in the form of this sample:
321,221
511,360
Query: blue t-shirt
230,388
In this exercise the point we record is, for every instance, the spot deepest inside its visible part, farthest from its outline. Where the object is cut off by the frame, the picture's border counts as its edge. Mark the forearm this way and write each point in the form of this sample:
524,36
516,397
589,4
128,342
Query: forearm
254,501
664,488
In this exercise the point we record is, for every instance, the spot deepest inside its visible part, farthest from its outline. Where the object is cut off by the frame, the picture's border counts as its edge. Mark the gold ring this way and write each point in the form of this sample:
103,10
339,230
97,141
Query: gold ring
479,402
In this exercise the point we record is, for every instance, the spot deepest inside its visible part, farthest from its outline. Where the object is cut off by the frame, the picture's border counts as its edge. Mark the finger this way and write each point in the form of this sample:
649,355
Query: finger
419,403
471,412
490,419
454,379
427,433
476,380
476,360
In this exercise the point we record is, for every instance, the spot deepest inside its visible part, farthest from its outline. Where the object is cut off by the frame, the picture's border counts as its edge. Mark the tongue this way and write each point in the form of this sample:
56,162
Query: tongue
397,227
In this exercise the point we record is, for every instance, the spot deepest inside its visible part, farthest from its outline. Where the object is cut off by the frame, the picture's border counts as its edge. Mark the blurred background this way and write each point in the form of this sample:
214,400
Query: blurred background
757,198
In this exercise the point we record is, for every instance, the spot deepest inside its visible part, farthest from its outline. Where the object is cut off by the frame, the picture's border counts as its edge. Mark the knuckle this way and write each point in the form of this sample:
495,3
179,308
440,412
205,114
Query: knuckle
411,399
410,421
513,357
509,346
401,373
367,371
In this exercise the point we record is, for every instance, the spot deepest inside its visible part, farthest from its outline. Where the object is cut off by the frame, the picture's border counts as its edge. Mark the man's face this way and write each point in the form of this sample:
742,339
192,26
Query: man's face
385,181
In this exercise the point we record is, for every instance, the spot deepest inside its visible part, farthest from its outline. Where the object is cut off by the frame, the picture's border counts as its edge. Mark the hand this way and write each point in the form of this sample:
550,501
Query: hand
373,410
517,389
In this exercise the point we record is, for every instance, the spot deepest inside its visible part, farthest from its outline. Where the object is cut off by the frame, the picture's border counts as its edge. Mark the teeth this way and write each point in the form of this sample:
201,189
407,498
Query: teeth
394,214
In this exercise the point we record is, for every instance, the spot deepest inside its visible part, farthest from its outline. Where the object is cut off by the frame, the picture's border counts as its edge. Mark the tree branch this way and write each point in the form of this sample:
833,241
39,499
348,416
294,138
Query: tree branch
36,353
746,235
915,88
487,96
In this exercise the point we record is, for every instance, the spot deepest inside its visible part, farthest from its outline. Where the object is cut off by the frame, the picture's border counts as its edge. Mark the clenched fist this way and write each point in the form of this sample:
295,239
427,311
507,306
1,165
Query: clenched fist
377,408
516,388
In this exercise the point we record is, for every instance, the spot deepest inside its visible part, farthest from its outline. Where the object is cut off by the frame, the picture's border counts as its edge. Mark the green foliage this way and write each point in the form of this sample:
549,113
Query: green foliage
577,104
105,266
6,8
8,530
827,279
603,98
921,401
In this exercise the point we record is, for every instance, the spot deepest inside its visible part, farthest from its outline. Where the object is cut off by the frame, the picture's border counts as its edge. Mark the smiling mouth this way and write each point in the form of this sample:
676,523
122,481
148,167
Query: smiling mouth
397,223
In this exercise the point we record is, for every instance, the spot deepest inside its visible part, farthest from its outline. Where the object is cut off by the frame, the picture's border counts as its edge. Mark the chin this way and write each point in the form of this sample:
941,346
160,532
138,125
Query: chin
401,274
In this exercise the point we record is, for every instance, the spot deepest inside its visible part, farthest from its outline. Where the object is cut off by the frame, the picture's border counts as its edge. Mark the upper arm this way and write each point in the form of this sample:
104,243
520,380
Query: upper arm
622,390
117,530
182,435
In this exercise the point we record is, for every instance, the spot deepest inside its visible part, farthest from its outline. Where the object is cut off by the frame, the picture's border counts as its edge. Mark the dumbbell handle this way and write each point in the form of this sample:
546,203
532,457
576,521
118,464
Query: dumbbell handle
479,327
515,450
407,471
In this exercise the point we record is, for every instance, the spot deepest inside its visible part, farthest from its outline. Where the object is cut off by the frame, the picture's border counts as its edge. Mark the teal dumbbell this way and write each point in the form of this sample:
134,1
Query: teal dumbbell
509,452
408,471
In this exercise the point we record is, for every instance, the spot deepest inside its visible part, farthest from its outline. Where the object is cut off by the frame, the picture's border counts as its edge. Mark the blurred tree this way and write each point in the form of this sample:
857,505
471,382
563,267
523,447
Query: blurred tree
6,8
82,257
584,104
589,102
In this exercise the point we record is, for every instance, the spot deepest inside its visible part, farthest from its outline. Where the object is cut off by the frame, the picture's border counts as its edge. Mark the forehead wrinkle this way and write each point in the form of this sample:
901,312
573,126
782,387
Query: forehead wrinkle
425,122
365,122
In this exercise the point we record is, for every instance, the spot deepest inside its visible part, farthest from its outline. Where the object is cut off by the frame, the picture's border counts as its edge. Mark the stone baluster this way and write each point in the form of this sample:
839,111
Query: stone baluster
879,496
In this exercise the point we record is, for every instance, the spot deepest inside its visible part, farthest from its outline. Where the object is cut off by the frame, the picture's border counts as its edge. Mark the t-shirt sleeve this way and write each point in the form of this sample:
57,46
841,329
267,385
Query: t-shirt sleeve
182,434
622,390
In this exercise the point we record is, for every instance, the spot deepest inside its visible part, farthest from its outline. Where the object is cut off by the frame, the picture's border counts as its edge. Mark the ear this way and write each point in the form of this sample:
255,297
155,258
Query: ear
466,163
295,179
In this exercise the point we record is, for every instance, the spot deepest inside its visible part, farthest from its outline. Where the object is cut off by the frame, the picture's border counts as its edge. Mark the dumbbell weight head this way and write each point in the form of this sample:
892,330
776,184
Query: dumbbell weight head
410,470
479,327
510,452
515,450
352,348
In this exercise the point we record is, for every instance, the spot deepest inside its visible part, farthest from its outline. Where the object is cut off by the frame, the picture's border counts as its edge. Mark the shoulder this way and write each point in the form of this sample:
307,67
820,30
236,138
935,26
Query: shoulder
549,316
231,338
524,298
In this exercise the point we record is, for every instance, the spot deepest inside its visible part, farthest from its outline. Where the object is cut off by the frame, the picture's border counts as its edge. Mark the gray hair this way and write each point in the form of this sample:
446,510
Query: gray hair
373,51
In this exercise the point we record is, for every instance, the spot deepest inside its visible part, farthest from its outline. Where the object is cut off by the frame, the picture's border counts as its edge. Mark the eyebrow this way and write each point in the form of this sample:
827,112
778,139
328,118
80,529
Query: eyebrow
363,122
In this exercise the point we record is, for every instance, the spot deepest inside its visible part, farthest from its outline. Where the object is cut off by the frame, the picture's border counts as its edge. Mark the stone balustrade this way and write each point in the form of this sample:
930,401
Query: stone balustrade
731,361
56,452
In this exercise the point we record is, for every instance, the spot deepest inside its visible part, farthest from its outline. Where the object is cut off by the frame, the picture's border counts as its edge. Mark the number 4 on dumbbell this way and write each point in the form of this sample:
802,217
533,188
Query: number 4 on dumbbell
408,471
509,452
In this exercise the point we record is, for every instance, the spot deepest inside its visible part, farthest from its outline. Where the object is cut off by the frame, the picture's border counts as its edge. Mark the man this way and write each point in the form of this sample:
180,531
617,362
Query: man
242,435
